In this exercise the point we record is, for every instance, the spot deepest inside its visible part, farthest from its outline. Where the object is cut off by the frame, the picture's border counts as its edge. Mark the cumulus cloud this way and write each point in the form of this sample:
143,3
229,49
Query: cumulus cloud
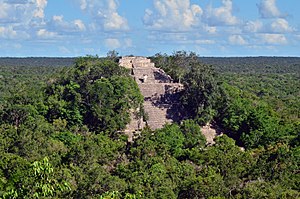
173,15
105,14
58,23
18,16
237,40
253,26
79,24
40,6
277,26
45,34
281,26
268,9
221,15
21,11
210,29
274,39
114,43
3,10
7,32
16,12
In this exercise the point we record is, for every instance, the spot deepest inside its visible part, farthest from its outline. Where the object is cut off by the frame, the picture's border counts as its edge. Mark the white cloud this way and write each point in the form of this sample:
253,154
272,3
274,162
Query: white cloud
21,11
210,29
173,37
276,26
237,40
58,18
40,6
7,32
274,39
105,14
17,1
253,26
79,24
44,34
222,15
14,12
112,43
206,41
19,18
3,10
173,15
59,24
180,38
83,4
115,22
281,26
268,9
10,32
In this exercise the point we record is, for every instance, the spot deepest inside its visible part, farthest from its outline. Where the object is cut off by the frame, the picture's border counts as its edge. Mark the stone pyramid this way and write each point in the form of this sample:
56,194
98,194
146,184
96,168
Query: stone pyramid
161,95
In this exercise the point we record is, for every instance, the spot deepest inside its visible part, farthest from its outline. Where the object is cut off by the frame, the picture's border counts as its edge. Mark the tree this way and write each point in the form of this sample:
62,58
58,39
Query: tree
192,133
40,183
177,64
113,55
201,92
96,93
252,123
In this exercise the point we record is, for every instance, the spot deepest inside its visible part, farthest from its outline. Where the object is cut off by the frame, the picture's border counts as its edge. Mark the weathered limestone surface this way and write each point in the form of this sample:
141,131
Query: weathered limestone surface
160,93
130,62
161,98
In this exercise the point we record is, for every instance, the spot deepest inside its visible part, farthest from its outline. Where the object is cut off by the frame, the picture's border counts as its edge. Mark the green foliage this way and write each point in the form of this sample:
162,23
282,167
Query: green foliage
192,133
280,91
253,123
176,64
200,93
45,184
118,195
37,182
97,93
52,145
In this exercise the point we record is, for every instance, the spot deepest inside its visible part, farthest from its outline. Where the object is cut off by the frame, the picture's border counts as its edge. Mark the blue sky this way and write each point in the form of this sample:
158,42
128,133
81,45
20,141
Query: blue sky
146,27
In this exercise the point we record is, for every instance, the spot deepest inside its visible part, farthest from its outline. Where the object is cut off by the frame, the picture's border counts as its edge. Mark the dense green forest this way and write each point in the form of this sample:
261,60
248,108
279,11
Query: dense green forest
61,131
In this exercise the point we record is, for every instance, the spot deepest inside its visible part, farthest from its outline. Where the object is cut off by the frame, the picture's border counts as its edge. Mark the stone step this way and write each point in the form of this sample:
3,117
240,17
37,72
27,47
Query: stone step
142,65
150,90
141,71
158,91
156,115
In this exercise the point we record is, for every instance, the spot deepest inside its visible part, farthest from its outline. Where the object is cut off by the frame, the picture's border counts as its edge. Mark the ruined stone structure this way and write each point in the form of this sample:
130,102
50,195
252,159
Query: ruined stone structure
161,97
160,93
129,62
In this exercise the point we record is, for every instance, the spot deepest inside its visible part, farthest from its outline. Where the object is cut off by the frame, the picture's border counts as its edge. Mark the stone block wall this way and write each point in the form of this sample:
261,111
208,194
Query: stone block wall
159,91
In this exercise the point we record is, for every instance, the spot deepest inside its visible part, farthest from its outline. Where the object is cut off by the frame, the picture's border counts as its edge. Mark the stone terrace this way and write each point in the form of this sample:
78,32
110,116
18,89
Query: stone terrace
161,98
160,93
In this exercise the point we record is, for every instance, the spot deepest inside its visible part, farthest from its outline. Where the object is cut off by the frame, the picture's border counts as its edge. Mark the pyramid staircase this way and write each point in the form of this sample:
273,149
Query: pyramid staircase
160,93
161,98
